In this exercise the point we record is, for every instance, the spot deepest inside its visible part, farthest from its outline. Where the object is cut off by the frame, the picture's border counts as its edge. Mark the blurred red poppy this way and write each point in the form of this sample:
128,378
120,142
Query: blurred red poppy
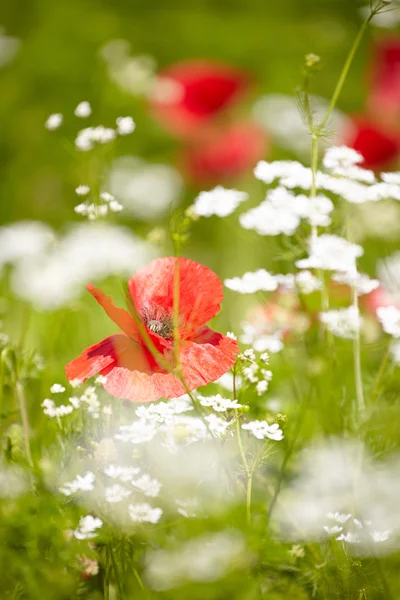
225,154
384,84
131,370
192,93
378,146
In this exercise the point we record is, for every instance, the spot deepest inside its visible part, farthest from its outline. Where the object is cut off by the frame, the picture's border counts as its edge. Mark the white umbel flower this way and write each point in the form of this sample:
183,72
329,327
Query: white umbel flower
344,323
389,317
125,125
81,483
359,282
262,430
341,157
87,527
219,201
144,513
218,403
332,253
116,493
83,110
252,282
54,121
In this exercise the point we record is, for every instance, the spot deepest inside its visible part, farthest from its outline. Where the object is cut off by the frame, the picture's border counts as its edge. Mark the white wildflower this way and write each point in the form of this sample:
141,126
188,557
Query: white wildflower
344,322
331,252
261,387
124,474
334,530
125,125
100,380
278,213
318,210
307,283
252,282
57,388
146,190
231,335
81,483
219,201
349,538
54,121
391,177
389,317
116,493
218,403
75,401
217,425
88,137
341,157
144,513
262,430
53,411
147,485
83,110
82,190
359,282
137,433
339,517
87,527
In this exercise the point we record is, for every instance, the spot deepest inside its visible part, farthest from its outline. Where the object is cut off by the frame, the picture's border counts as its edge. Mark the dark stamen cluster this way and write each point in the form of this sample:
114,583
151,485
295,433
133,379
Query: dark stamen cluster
158,321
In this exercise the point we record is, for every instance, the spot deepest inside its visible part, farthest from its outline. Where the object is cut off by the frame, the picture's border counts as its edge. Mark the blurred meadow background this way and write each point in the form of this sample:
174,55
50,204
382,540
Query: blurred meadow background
113,55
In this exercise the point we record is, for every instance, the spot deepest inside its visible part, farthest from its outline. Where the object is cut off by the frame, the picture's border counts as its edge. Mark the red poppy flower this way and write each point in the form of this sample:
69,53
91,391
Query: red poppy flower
378,146
195,93
384,97
131,370
225,154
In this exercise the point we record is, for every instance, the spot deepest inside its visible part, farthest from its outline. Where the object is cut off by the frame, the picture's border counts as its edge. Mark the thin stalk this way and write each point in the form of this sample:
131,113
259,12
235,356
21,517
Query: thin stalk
106,582
357,363
248,496
240,444
25,421
381,371
116,574
345,70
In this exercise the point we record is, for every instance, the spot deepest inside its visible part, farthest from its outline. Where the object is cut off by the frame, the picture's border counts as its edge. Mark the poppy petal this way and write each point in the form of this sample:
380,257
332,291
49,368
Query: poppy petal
200,91
120,316
200,291
99,357
205,358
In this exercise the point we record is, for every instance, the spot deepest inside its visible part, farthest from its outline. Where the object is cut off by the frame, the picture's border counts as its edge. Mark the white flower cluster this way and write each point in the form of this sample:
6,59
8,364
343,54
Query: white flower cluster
83,110
262,280
389,317
51,274
147,190
87,138
219,201
144,513
218,403
54,121
205,558
344,322
352,183
351,530
81,483
282,211
51,410
116,493
254,335
331,253
96,210
87,528
262,430
359,282
124,474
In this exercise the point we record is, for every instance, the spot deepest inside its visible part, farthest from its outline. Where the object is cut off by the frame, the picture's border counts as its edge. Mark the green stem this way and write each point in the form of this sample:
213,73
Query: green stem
25,421
357,364
106,582
381,371
240,444
248,496
116,574
344,73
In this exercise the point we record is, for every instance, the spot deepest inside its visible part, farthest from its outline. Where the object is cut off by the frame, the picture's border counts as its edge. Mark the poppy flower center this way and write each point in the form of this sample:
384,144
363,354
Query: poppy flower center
158,322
